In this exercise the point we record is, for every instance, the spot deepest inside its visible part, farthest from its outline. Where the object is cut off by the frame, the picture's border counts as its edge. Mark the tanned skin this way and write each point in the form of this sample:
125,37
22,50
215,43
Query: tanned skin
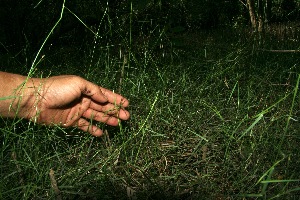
67,100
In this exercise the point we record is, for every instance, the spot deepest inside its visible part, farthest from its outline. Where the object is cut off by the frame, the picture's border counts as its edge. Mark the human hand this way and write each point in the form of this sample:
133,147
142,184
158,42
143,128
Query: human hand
71,101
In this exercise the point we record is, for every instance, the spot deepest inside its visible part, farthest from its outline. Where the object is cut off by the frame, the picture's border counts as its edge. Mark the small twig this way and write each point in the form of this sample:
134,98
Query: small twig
204,152
122,74
108,142
281,51
54,185
14,157
243,3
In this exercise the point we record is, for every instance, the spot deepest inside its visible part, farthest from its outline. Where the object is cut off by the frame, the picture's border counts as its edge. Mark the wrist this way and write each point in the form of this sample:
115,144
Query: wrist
18,97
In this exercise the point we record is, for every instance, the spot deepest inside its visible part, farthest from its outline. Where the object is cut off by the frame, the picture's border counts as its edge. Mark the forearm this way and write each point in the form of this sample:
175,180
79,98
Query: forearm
16,95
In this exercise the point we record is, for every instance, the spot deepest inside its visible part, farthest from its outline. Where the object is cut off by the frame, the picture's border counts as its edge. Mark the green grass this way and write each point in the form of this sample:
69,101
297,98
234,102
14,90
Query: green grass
214,118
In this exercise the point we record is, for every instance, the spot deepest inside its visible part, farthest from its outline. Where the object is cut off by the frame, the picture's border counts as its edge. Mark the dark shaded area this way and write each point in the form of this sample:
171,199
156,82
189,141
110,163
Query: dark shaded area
25,24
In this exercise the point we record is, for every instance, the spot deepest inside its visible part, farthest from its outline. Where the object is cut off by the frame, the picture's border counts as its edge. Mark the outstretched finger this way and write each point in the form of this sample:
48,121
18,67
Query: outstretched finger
110,109
100,94
104,118
88,127
114,98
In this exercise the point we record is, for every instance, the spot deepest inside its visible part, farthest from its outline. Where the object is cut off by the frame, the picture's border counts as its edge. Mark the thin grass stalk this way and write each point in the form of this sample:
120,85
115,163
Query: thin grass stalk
33,65
292,106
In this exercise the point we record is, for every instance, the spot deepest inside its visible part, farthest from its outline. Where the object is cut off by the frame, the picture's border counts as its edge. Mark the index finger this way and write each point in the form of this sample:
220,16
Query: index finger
114,98
102,95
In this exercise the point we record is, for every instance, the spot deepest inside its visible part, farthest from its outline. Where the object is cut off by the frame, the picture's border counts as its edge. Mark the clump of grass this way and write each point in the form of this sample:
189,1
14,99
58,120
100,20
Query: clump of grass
219,123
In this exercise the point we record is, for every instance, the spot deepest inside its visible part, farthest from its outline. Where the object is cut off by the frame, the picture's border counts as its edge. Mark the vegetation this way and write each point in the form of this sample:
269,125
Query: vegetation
214,111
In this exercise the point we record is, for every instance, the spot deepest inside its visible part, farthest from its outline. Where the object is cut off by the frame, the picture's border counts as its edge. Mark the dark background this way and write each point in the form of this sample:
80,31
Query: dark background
25,24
